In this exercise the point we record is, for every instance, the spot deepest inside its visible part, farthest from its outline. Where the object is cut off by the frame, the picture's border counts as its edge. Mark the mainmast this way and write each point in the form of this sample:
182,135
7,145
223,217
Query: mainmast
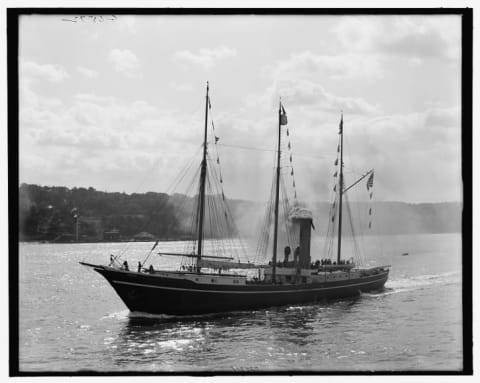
340,187
203,176
277,192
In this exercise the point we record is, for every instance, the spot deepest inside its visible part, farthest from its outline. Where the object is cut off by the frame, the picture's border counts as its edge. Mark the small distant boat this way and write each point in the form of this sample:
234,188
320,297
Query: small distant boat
404,254
203,286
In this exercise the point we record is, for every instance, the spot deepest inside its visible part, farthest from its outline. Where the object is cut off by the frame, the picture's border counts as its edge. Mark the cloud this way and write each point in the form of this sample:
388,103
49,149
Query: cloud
310,97
180,87
88,73
49,72
416,156
421,36
125,62
338,67
309,94
102,141
205,57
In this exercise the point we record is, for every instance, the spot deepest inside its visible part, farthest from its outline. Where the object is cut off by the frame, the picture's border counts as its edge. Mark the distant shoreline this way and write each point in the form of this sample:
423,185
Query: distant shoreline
43,242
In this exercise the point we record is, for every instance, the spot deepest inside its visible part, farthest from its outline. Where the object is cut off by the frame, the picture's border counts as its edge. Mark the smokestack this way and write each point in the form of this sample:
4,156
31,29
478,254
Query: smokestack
305,236
302,226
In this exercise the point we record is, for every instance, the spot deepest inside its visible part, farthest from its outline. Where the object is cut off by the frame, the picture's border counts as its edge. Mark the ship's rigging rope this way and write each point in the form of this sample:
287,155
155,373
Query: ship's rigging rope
219,226
354,220
174,184
245,147
286,166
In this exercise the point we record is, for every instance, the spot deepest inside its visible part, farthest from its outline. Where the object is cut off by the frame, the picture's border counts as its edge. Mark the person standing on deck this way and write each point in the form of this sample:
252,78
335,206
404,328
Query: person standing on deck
287,252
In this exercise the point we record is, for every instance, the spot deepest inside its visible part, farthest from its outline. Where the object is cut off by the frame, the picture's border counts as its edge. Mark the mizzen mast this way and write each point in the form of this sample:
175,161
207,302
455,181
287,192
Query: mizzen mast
340,196
203,176
282,120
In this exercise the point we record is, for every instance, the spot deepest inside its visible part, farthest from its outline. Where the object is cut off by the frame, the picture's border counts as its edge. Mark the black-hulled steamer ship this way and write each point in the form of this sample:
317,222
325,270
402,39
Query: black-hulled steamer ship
207,283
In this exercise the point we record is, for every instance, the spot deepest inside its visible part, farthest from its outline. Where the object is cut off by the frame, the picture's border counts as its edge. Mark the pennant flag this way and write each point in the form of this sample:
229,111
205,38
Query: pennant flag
221,181
336,162
290,158
370,211
218,160
287,132
293,183
335,188
338,148
370,182
335,174
341,125
154,246
223,196
216,139
289,145
209,105
291,173
283,116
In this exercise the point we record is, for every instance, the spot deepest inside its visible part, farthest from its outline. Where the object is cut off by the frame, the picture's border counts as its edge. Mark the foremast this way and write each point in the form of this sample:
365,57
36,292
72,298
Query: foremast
203,176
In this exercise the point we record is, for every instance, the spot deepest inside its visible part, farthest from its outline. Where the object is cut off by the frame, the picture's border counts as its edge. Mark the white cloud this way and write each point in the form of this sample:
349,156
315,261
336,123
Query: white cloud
88,73
309,95
49,72
205,57
339,67
180,87
423,36
125,62
415,61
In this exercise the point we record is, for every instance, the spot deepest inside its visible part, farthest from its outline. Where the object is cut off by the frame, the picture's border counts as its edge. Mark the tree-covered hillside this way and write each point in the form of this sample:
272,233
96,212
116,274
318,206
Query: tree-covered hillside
45,213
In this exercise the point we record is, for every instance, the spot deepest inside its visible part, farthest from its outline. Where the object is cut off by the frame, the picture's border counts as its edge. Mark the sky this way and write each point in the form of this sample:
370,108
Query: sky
118,103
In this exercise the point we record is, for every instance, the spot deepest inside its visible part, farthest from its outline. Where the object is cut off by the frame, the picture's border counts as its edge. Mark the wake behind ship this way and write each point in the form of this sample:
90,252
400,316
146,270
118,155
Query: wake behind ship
208,283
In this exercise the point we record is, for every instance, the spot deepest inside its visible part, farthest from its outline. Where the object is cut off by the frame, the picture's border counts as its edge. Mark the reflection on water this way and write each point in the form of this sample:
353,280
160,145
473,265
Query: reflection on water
162,341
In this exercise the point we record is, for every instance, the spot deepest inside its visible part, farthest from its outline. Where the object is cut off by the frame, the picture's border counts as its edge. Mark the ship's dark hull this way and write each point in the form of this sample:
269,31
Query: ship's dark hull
158,295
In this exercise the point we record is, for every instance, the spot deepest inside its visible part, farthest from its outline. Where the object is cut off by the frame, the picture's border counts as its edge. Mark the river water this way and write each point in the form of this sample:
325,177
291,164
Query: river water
71,320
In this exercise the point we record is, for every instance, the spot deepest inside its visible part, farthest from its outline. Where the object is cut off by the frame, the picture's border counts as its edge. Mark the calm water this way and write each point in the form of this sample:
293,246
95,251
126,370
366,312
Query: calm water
71,319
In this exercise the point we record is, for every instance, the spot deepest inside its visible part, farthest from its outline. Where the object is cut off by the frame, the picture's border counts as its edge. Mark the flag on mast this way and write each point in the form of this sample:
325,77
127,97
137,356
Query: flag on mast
283,115
370,182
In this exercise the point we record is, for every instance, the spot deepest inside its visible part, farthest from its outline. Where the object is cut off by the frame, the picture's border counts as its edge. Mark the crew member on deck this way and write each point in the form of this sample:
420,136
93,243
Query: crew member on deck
296,255
125,266
287,252
139,266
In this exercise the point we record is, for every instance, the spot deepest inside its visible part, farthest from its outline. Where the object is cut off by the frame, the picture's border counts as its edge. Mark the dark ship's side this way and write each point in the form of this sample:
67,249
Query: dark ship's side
193,291
179,293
